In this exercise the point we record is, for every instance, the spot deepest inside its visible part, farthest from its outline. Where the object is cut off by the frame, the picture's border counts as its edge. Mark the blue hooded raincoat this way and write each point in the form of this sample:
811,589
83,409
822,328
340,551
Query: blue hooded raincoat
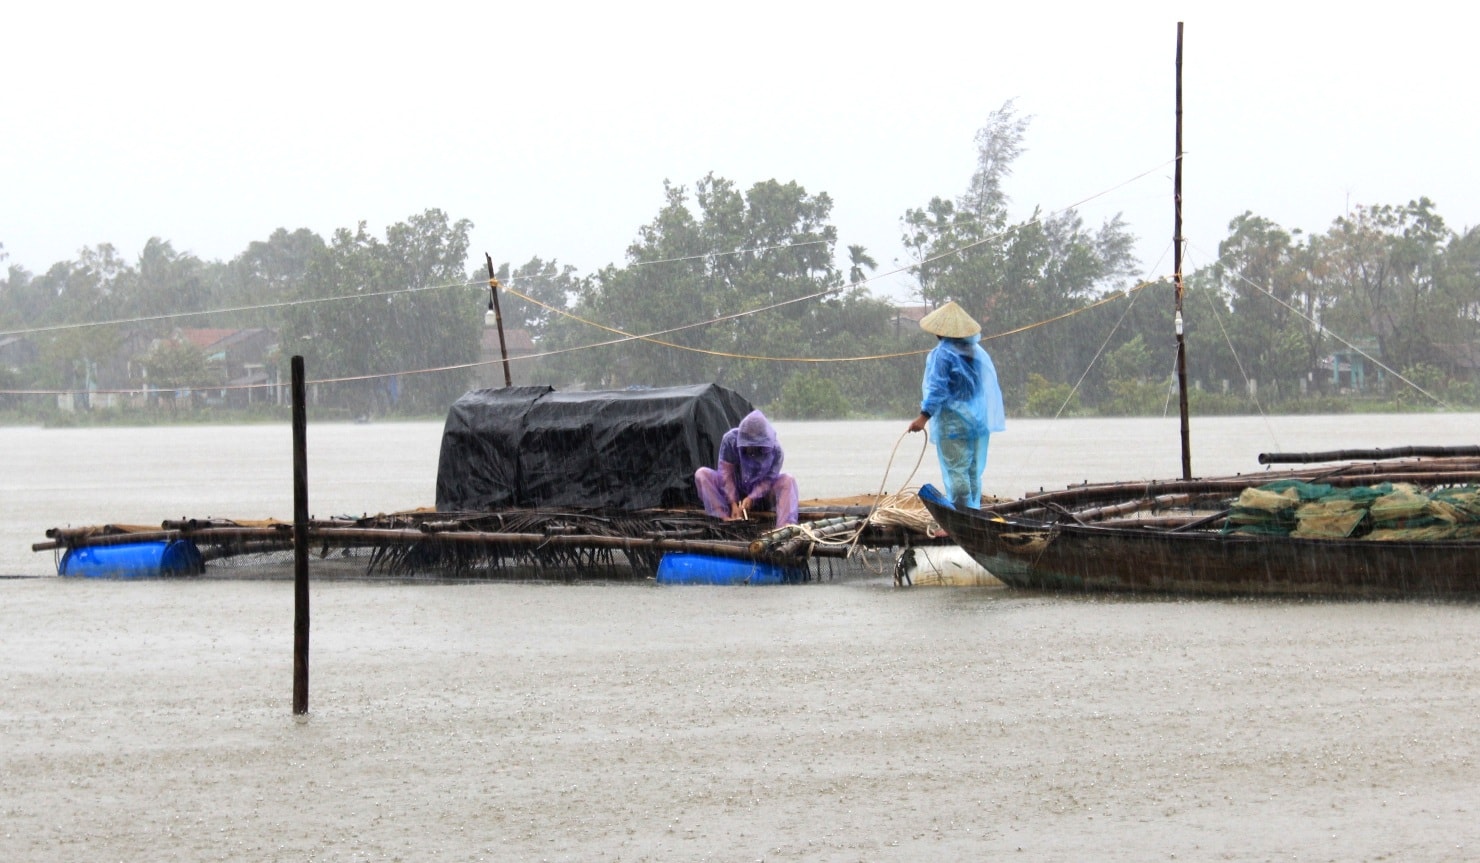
964,403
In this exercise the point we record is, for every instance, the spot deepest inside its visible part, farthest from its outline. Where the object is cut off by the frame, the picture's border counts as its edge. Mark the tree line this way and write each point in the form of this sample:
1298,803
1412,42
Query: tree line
741,286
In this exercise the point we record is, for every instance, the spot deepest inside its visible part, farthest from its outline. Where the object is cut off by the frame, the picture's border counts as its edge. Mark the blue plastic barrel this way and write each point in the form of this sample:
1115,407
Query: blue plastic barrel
680,567
133,560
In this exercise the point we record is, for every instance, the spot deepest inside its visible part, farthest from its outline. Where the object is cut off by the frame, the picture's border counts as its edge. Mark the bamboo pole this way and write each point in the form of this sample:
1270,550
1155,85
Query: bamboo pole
822,527
1165,522
498,319
788,542
1364,454
1163,501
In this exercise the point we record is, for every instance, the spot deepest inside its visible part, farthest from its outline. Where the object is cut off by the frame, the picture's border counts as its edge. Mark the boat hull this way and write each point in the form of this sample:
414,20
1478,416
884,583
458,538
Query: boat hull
1038,555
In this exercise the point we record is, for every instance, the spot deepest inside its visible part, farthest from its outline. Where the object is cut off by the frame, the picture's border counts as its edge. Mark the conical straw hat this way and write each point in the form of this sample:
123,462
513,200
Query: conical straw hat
950,321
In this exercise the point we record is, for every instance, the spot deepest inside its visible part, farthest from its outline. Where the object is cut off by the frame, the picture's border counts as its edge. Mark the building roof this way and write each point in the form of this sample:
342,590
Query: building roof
1464,356
205,338
912,313
518,341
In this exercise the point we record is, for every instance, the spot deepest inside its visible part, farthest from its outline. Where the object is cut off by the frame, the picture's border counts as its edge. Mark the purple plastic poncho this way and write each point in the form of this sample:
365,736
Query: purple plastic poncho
750,458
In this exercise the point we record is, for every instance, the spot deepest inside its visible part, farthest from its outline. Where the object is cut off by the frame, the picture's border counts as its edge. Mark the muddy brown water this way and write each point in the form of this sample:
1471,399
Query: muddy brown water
151,720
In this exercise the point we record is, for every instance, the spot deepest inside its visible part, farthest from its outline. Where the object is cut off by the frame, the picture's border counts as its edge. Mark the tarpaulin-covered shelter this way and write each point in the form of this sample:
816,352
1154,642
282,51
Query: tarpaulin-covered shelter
611,449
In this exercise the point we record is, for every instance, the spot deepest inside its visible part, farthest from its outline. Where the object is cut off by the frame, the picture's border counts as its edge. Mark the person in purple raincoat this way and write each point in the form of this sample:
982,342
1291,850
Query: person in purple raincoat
749,474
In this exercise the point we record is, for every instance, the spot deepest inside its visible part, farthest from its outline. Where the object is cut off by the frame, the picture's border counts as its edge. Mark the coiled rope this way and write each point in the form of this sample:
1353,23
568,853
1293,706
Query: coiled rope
900,509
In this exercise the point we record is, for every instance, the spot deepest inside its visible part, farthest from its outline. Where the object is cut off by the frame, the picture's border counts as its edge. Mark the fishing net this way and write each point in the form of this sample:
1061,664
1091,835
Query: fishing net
1381,512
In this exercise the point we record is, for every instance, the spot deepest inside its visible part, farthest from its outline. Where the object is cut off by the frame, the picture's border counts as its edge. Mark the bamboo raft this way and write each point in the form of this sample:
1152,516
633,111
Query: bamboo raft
555,544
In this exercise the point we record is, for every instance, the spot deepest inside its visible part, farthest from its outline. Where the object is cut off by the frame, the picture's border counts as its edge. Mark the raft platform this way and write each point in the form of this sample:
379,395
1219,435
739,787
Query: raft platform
833,540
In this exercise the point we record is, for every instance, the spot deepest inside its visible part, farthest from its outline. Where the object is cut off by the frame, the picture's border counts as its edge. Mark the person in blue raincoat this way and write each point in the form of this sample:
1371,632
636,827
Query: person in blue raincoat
961,401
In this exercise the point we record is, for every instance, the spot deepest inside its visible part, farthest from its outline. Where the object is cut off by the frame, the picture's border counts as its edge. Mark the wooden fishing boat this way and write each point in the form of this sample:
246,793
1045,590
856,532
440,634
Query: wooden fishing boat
1184,537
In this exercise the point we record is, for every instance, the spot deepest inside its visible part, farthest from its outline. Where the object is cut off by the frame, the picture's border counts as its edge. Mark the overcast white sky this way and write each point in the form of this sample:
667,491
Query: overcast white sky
552,126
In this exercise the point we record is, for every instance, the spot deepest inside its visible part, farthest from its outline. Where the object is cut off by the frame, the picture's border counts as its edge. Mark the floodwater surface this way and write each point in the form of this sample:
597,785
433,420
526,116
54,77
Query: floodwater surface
151,720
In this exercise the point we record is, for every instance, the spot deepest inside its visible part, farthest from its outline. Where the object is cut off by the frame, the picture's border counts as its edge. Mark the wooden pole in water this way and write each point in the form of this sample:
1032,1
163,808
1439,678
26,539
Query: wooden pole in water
498,319
300,542
1177,275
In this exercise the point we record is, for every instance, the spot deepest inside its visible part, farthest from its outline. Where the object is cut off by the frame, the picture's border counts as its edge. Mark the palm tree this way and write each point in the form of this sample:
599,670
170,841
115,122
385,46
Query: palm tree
858,258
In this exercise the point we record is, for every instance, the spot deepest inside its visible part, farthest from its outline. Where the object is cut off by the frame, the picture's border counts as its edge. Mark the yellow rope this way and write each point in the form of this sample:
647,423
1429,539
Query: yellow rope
626,336
1108,298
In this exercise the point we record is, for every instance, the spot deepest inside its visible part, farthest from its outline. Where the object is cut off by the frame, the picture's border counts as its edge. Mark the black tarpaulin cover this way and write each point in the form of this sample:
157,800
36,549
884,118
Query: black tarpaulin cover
610,449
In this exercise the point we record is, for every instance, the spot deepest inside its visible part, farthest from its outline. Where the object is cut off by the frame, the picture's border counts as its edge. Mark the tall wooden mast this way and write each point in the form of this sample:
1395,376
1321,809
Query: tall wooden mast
1177,243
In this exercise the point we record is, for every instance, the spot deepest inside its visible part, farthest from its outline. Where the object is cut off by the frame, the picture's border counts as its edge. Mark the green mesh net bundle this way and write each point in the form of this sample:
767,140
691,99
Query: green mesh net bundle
1383,512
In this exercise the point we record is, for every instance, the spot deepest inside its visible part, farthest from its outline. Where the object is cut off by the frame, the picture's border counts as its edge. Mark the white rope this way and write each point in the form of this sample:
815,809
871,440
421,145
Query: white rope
903,508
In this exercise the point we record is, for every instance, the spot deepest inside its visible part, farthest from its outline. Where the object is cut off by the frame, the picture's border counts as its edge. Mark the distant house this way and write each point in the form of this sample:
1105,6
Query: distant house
250,359
1352,369
1344,372
106,378
206,340
905,323
243,359
1461,361
520,344
242,363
